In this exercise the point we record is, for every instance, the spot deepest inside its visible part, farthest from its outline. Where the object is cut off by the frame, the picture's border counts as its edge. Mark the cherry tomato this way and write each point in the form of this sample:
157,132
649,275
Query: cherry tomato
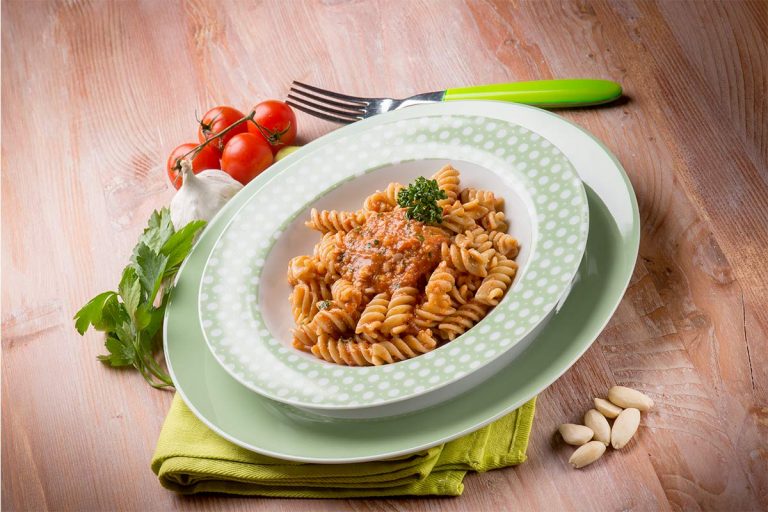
245,156
217,119
275,121
207,158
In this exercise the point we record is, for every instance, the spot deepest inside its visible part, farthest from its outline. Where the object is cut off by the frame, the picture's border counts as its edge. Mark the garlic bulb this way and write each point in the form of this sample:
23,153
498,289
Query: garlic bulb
201,195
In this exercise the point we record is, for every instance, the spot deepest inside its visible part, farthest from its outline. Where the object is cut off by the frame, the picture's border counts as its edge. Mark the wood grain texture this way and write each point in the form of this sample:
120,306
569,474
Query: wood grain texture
95,94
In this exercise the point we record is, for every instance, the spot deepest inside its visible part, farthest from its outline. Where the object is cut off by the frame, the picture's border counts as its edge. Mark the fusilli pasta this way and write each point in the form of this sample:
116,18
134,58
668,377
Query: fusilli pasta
327,221
382,288
383,201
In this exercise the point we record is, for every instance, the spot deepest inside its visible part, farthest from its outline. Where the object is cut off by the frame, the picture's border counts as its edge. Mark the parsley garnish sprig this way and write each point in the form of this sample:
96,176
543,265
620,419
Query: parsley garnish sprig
420,198
131,317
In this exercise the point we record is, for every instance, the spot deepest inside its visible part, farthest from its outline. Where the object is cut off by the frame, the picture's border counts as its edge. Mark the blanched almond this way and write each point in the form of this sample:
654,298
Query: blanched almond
599,425
587,454
628,397
606,408
576,435
625,427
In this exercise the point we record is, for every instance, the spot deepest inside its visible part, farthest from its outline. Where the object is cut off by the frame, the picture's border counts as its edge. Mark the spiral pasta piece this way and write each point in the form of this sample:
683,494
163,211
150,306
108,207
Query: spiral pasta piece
485,198
343,351
472,282
363,337
465,260
430,314
495,222
465,317
383,200
329,252
333,321
400,349
474,210
327,221
440,283
477,239
303,303
494,286
460,295
373,315
456,220
304,336
304,268
505,244
344,293
399,310
448,180
319,288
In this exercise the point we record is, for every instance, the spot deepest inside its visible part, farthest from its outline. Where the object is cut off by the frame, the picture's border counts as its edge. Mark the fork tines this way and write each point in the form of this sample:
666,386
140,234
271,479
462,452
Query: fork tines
328,105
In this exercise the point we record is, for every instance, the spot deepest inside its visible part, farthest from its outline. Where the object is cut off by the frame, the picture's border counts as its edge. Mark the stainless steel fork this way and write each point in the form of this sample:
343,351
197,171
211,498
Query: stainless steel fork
342,108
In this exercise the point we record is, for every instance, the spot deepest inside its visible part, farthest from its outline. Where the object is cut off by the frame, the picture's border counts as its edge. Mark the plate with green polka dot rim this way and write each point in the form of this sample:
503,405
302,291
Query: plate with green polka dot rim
231,301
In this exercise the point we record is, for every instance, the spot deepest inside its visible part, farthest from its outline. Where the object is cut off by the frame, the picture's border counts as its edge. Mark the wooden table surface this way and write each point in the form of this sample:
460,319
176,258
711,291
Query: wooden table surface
95,94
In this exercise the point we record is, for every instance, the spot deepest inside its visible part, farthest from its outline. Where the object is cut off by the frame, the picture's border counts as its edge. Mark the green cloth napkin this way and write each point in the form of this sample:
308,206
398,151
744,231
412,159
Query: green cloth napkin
190,458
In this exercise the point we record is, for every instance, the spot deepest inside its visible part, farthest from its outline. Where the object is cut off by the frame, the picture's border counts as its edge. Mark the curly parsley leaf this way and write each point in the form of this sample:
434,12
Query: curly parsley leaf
128,316
420,198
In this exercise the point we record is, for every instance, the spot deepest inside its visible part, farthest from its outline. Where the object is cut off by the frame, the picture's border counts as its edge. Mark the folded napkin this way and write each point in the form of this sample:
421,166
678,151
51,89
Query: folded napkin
190,458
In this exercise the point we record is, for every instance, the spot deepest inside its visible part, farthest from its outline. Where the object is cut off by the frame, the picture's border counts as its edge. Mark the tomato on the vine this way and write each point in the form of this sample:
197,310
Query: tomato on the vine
207,158
275,122
245,156
217,119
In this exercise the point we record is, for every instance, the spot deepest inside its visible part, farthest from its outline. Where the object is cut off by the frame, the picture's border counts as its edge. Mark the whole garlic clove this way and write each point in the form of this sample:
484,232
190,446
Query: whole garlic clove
587,454
625,427
628,397
575,435
599,425
606,408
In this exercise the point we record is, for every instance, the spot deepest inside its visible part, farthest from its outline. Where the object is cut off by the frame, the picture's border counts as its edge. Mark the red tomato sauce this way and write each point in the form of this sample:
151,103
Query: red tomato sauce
389,251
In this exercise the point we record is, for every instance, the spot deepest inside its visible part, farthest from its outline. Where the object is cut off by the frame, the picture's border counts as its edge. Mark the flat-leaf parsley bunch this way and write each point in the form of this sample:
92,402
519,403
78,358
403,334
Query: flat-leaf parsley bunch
131,317
420,198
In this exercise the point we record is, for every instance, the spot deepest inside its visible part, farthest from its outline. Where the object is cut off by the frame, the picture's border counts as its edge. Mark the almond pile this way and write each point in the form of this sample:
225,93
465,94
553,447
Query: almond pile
623,407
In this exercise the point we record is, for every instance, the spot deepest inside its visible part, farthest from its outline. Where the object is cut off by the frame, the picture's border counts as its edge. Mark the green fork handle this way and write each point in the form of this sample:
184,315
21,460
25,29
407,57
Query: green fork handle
543,93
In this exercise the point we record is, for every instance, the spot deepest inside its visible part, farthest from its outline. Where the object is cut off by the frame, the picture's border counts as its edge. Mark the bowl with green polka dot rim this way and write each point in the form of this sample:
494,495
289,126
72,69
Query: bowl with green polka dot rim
243,297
